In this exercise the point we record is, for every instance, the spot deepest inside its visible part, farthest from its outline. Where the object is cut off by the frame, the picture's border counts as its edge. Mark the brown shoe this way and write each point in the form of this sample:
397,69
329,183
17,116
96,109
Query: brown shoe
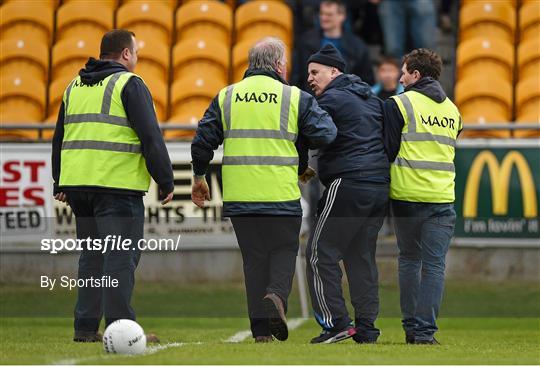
275,311
152,338
87,336
264,339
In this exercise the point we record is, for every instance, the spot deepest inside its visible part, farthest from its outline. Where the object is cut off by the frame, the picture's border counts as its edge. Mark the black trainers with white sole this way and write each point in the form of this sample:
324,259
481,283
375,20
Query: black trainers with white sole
327,337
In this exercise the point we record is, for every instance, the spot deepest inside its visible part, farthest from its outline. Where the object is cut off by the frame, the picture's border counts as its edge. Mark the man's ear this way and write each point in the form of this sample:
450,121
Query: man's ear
125,53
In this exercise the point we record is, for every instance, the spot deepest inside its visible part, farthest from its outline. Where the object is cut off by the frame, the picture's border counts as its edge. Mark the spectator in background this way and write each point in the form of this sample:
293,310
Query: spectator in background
445,21
332,15
401,21
388,74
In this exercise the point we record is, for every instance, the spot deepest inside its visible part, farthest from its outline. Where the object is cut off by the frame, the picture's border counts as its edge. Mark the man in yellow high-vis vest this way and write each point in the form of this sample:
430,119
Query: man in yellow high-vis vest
421,129
106,146
260,121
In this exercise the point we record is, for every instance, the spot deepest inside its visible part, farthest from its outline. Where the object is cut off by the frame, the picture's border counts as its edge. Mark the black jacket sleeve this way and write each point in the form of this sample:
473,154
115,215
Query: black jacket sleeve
303,154
139,107
58,137
393,125
315,124
208,138
327,103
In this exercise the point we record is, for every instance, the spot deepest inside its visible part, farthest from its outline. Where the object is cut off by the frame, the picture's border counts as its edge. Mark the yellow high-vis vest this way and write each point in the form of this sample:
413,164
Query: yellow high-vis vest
260,127
423,170
100,148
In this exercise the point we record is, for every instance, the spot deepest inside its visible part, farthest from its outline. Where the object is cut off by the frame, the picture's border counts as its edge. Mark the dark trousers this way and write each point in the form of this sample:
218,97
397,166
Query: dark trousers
424,232
350,215
269,246
97,216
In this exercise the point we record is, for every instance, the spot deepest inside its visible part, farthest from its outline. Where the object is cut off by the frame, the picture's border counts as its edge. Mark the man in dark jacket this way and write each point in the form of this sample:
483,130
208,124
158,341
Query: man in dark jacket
355,172
259,120
332,15
106,145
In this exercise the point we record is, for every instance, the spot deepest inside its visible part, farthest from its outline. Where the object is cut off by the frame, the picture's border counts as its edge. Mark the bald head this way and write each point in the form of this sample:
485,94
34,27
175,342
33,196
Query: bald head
268,54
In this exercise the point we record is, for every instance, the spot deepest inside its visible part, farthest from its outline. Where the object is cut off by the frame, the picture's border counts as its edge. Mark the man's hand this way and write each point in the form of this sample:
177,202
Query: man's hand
199,191
61,197
308,174
168,198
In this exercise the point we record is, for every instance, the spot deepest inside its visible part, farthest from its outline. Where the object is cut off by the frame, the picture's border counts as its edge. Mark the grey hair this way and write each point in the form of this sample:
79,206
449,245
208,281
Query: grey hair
266,53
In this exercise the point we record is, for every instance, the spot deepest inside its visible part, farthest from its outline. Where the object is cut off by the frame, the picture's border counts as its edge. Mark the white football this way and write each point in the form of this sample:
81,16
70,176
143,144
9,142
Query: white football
124,337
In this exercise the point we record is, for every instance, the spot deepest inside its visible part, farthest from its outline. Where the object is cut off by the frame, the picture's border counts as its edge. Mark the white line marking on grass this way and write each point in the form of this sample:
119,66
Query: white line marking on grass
156,348
296,323
244,334
239,336
149,351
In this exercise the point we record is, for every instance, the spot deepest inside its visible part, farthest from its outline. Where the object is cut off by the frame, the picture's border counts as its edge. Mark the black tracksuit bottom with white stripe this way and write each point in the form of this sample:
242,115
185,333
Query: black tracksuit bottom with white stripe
349,217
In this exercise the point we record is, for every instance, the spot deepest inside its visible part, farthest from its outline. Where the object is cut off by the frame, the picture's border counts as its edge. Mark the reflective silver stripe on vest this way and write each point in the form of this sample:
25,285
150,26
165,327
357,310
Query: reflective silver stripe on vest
68,92
107,96
260,133
96,117
260,161
227,106
285,106
409,110
105,107
437,166
441,139
101,145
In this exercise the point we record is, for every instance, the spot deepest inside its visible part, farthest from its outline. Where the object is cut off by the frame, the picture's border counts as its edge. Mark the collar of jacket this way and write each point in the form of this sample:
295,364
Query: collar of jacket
271,74
351,82
428,87
342,80
96,70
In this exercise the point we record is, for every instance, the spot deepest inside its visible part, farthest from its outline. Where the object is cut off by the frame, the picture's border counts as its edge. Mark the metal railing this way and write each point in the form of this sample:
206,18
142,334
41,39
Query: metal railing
509,126
40,126
188,126
503,126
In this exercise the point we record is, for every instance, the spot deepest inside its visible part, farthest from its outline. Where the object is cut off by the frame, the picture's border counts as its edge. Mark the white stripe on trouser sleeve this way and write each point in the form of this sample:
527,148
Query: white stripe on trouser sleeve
317,281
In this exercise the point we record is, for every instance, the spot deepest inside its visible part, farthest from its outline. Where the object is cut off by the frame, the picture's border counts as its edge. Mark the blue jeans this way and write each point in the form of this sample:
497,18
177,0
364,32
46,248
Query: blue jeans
98,215
403,20
423,231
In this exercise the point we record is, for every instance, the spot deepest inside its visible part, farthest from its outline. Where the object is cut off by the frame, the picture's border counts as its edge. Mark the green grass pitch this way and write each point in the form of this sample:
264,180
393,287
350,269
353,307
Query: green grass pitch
479,324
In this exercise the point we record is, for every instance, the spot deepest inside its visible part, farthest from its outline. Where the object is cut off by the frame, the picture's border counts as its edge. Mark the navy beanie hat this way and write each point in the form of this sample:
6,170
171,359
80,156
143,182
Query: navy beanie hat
329,56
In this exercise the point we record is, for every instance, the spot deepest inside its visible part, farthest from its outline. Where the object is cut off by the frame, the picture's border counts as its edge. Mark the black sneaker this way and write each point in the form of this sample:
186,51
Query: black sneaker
409,339
364,337
360,339
328,337
431,341
87,336
275,311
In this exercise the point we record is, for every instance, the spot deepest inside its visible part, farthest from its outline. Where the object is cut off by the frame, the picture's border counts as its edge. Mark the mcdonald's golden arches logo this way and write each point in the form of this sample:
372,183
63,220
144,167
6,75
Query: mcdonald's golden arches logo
499,175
